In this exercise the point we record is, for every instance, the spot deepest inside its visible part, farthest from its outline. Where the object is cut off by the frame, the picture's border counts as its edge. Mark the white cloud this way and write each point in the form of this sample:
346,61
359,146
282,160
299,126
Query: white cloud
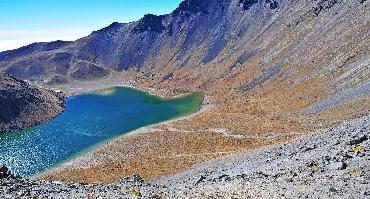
12,39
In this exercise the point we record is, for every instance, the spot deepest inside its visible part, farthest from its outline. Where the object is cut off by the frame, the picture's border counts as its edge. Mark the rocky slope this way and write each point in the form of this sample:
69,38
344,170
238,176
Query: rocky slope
333,163
272,71
226,33
23,106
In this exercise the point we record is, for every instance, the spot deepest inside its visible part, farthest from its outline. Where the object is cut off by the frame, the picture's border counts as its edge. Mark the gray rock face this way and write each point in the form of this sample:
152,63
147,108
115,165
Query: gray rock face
150,22
193,25
57,79
5,173
247,4
87,71
23,106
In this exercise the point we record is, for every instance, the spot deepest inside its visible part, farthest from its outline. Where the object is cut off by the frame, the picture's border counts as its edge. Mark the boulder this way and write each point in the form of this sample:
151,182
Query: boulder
5,172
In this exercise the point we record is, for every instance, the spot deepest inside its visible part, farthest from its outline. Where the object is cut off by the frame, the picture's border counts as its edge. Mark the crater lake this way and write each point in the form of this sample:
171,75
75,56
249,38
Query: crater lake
89,120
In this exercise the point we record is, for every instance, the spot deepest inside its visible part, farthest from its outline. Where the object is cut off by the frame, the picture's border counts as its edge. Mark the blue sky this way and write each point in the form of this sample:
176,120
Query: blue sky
26,21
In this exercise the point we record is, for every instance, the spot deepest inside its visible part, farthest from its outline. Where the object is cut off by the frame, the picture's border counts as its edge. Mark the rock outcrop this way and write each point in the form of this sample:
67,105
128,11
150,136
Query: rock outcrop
5,172
23,106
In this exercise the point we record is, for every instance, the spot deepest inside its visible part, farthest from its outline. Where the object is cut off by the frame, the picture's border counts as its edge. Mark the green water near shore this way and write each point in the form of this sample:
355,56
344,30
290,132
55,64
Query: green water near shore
89,119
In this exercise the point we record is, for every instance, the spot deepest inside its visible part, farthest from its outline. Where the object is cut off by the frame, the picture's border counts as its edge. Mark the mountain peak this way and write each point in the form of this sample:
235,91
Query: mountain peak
193,6
150,22
113,26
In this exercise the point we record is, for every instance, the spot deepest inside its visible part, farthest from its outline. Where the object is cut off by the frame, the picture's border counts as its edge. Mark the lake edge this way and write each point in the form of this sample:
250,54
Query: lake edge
91,149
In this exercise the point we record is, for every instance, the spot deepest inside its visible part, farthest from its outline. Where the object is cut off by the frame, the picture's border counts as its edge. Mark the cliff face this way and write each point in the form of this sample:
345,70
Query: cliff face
23,106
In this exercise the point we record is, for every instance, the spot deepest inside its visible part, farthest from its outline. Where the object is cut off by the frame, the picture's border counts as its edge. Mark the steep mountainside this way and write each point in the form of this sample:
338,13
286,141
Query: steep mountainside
214,32
272,70
23,106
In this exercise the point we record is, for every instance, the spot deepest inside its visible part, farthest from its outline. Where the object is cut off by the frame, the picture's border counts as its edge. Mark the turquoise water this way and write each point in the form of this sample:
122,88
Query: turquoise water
88,120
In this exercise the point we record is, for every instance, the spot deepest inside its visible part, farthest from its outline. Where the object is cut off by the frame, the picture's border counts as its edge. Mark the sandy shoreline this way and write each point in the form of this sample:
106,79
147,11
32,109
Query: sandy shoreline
83,156
82,87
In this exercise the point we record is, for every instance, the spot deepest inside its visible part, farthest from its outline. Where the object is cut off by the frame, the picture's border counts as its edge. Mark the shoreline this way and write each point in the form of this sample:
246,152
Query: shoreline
79,157
84,87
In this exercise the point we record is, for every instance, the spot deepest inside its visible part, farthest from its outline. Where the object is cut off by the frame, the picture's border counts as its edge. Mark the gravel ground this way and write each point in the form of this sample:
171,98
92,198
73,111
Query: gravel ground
334,163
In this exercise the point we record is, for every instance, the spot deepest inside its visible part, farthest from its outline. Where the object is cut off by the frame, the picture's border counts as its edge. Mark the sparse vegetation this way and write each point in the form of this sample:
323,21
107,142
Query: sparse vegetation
133,191
357,149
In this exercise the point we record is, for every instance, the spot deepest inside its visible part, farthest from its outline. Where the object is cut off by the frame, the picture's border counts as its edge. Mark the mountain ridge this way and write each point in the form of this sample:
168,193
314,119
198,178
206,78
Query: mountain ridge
150,26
